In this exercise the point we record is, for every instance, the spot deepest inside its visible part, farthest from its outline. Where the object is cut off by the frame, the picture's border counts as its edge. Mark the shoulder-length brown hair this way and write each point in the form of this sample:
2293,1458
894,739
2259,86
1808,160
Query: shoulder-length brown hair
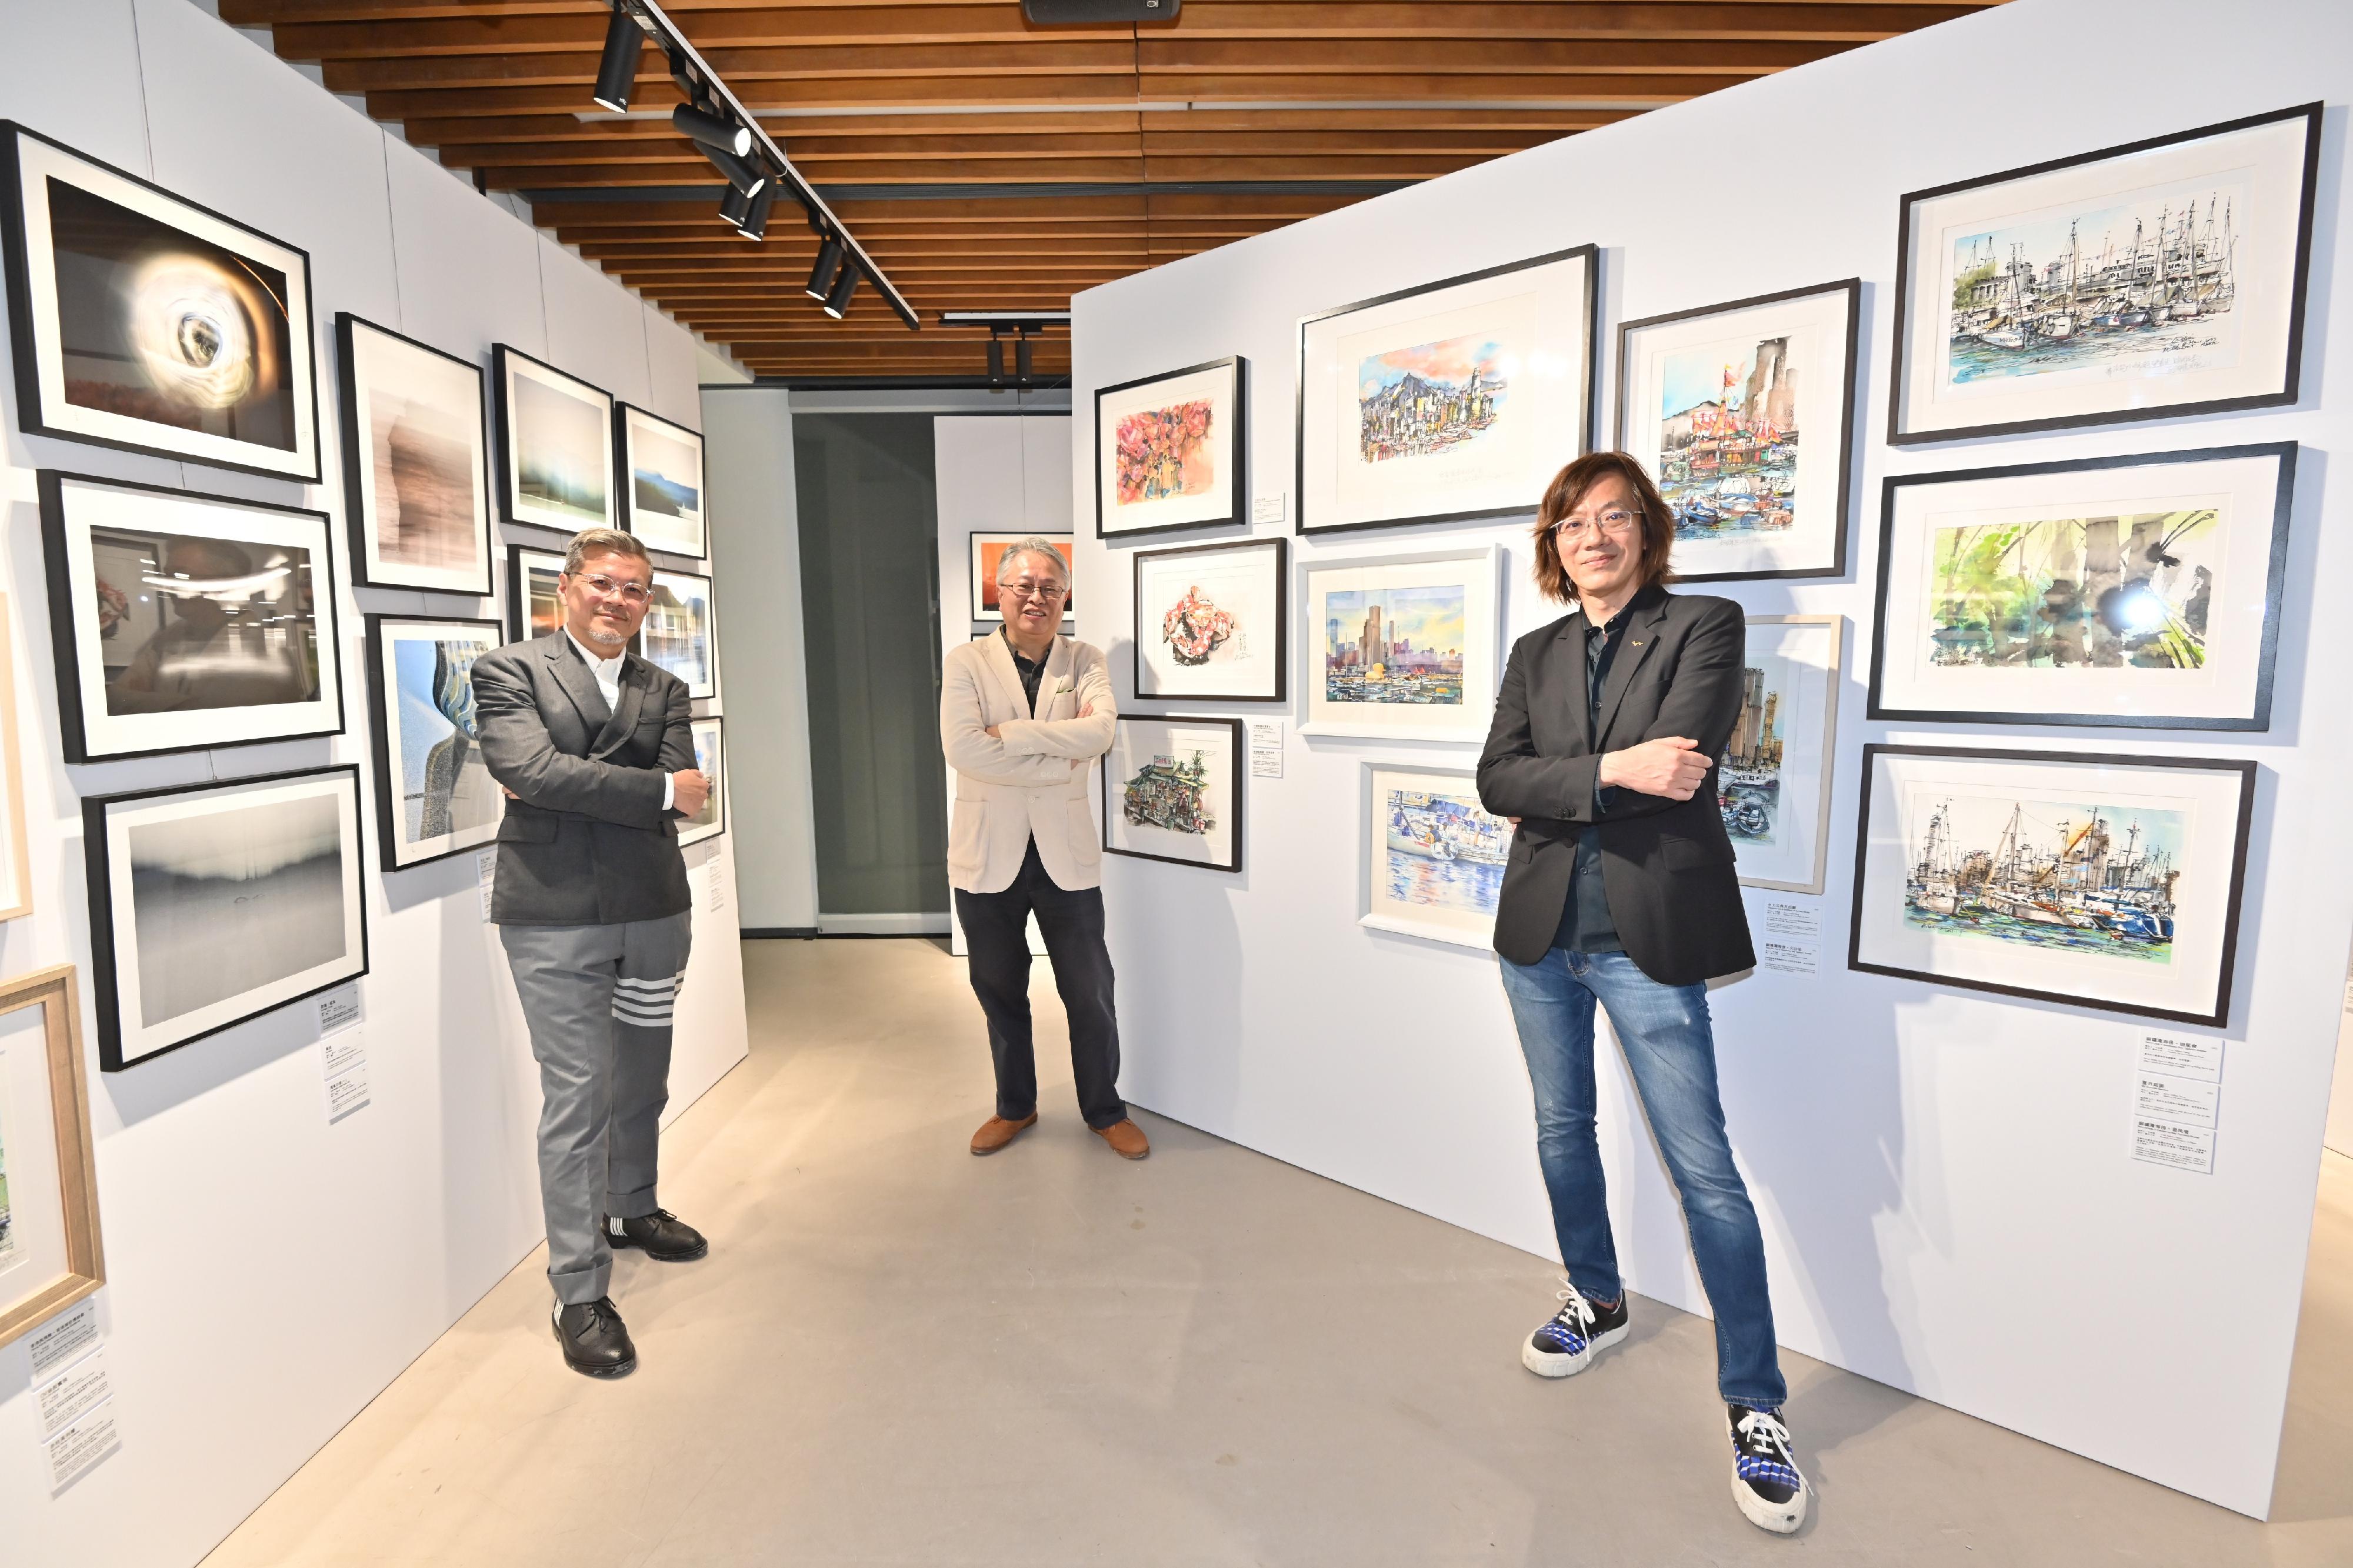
1568,487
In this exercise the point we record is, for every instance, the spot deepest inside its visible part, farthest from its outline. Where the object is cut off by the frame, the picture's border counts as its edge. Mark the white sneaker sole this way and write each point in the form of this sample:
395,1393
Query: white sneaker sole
1560,1363
1781,1518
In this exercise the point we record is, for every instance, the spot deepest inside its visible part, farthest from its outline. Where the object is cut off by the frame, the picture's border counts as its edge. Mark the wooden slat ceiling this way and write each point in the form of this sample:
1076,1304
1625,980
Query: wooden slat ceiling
986,164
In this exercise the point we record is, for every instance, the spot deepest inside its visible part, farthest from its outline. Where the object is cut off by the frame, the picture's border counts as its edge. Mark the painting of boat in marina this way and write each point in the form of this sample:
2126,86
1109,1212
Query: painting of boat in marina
2077,875
1728,439
1173,791
1433,857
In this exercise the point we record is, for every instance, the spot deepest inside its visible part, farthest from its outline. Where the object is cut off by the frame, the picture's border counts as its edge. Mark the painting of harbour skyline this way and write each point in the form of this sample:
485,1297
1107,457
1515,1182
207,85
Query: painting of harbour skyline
2098,592
1728,439
1748,774
1411,402
1402,645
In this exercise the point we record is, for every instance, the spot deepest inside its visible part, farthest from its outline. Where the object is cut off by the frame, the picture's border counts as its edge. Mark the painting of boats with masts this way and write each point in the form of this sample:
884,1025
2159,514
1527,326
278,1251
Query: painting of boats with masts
2083,876
1728,439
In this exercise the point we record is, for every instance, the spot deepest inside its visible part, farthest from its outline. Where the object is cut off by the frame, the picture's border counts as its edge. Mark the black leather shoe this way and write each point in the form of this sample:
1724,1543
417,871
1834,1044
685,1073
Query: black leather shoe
661,1235
594,1340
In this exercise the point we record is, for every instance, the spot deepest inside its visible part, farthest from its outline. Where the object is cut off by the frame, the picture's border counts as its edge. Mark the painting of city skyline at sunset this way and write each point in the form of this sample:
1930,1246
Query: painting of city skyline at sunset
1415,401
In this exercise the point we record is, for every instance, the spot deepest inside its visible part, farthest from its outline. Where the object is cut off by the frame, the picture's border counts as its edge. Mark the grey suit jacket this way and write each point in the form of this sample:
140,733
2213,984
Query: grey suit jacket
586,841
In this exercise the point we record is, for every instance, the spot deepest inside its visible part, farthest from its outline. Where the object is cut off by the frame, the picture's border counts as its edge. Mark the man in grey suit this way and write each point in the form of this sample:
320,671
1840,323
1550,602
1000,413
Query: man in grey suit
593,745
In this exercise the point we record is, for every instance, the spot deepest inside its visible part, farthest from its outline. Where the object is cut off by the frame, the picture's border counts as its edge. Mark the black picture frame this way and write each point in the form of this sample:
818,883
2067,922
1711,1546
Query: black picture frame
359,466
1280,592
66,642
708,691
980,616
105,962
1239,769
718,785
1587,368
1237,471
1849,403
2245,773
624,510
1897,435
390,856
510,503
2267,651
31,416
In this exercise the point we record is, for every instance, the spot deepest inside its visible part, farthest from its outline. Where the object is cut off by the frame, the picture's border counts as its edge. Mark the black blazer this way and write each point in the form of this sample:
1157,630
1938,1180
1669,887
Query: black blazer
1667,864
586,841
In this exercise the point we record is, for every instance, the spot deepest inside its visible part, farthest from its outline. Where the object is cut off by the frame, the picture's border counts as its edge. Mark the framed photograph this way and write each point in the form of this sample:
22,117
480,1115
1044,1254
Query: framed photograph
214,903
681,632
1458,399
1774,779
50,1253
416,471
556,445
1432,858
1403,647
1745,414
711,759
434,794
148,323
1173,791
2145,282
988,552
185,621
532,608
16,869
662,483
1169,452
1209,621
2108,882
2136,591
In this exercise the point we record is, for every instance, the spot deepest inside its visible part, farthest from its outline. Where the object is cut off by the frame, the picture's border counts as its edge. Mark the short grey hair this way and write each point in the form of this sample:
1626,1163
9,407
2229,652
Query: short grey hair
602,541
1033,544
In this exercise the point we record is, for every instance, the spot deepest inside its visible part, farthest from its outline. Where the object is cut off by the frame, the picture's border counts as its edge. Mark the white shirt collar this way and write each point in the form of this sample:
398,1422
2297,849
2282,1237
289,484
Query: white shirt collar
601,666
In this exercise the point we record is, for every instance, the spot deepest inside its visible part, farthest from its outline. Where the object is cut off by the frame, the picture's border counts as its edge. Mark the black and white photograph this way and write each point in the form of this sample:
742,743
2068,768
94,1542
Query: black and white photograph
555,445
434,792
661,488
680,633
213,904
415,462
182,621
147,323
711,760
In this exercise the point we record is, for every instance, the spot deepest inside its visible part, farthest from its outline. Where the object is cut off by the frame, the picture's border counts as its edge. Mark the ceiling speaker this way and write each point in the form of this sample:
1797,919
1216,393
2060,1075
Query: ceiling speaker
1095,13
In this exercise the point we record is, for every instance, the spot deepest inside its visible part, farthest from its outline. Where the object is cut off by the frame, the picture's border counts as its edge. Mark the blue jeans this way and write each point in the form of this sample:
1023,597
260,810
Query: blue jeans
1671,1052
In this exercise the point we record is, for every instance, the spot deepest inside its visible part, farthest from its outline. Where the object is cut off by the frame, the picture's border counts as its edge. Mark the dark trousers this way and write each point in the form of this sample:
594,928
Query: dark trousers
995,930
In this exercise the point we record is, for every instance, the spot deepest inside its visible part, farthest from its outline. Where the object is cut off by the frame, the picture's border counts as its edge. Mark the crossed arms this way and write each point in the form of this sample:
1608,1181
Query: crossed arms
520,755
1024,752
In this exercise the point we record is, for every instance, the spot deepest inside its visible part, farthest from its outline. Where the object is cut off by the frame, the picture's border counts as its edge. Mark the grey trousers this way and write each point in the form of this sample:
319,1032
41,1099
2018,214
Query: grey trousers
599,1000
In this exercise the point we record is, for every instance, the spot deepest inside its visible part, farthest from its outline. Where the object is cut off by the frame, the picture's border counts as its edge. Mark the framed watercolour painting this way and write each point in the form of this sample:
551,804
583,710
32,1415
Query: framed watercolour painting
1457,399
679,632
182,621
211,904
147,323
1173,791
1774,780
1209,621
50,1252
988,554
2139,593
434,794
1168,450
660,483
1403,647
556,445
1432,858
2157,278
2104,881
416,472
711,760
1745,413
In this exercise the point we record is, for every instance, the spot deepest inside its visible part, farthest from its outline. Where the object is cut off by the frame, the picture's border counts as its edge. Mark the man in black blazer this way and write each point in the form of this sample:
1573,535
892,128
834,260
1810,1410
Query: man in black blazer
1620,889
594,747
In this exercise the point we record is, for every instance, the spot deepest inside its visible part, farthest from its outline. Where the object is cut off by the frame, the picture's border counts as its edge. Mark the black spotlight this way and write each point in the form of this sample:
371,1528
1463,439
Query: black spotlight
736,208
711,129
617,72
754,224
828,262
995,360
837,303
1021,362
745,177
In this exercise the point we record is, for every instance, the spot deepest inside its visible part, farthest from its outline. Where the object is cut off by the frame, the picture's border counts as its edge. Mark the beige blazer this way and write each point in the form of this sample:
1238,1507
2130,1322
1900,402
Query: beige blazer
1032,782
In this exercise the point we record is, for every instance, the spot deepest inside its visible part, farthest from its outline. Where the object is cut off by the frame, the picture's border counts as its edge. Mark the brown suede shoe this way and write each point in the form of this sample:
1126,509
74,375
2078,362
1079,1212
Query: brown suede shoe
1126,1139
996,1132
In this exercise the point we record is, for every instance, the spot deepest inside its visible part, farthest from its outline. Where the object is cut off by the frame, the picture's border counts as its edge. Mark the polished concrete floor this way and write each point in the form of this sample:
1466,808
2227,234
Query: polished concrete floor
899,1355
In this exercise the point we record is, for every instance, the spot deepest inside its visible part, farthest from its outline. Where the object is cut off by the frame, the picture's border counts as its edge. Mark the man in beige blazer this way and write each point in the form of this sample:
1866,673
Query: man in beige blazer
1023,715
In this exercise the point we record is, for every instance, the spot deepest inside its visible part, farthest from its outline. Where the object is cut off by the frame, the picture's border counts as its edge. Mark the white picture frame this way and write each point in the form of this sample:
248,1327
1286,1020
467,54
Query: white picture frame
661,485
414,444
1211,622
1429,592
555,445
1429,858
1774,780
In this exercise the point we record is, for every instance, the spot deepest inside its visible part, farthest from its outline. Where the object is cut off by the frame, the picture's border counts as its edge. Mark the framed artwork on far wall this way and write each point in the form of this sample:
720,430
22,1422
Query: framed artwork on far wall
16,869
146,322
660,483
711,759
2145,282
416,471
532,608
988,552
1403,647
1173,791
51,1255
1209,621
1774,779
1745,414
1431,859
681,632
434,794
2103,882
1457,399
183,622
211,904
556,445
1169,450
2134,591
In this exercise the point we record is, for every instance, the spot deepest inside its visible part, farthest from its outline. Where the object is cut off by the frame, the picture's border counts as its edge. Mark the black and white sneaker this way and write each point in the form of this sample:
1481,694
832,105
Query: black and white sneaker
1765,1478
1567,1343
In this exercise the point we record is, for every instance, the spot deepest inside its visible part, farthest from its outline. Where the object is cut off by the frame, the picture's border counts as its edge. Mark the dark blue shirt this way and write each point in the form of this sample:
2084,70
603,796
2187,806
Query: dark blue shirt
1584,922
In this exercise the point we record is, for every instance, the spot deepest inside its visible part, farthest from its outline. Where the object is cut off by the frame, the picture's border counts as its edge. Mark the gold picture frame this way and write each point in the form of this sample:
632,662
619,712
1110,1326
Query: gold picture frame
43,1298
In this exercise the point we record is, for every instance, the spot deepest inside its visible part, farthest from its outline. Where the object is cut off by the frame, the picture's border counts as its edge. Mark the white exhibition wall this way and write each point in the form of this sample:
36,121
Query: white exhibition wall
269,1273
1948,1199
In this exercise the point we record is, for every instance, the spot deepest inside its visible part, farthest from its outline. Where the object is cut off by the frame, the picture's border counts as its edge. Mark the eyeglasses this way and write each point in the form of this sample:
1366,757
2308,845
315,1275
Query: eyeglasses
1047,591
606,587
1617,522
